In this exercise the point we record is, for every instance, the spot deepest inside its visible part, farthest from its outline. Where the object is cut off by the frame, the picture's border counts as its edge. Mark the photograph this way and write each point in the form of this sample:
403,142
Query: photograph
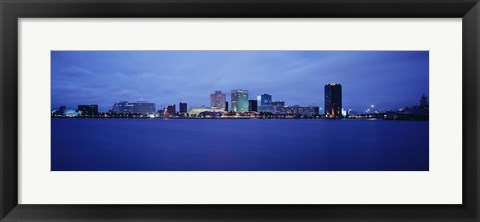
239,110
250,111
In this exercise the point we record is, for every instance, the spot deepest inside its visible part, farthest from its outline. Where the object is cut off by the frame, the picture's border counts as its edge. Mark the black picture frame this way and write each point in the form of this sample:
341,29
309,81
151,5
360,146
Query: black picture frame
12,10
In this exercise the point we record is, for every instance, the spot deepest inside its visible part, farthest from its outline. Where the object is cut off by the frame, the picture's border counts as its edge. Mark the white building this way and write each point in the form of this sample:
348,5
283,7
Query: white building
198,110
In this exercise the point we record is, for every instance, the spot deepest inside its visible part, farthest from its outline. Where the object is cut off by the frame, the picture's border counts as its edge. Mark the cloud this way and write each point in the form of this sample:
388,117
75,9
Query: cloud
297,77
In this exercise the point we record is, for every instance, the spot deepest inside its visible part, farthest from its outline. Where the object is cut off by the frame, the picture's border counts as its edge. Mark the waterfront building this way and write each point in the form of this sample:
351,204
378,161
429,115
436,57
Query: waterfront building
182,107
297,110
88,110
333,100
170,110
144,107
277,106
278,103
72,113
65,112
252,105
198,110
226,106
217,100
264,103
239,100
141,107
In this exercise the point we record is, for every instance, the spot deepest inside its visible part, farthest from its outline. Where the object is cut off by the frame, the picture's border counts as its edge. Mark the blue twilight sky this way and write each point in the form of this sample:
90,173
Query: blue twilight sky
386,79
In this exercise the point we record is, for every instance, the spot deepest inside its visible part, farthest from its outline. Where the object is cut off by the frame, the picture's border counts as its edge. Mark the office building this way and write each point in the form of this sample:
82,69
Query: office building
88,110
264,103
226,106
277,106
333,100
139,107
239,100
217,100
182,107
252,105
170,110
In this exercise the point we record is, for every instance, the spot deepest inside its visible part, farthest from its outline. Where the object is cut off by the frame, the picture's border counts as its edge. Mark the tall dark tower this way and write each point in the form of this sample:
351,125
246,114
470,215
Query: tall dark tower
183,107
333,100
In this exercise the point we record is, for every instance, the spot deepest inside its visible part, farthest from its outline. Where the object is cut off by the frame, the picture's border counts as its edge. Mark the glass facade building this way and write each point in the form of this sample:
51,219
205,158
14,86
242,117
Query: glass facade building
333,100
239,100
264,103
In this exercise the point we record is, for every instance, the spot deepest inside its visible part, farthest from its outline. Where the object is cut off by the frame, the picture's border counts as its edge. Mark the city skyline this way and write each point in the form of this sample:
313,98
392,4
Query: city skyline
388,79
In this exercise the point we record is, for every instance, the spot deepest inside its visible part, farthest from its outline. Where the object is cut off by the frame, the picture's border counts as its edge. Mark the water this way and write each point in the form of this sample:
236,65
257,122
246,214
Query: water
246,145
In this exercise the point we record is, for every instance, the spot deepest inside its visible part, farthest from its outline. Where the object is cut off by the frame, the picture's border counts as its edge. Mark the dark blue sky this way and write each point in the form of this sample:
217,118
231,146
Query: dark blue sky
387,79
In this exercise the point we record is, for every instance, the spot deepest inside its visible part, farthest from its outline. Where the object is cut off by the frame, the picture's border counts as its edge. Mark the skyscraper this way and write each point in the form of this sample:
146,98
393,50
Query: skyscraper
264,103
239,100
170,110
333,100
182,107
217,100
252,105
226,106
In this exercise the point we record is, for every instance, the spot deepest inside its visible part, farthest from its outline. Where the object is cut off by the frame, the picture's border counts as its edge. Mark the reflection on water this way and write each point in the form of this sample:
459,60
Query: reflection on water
245,145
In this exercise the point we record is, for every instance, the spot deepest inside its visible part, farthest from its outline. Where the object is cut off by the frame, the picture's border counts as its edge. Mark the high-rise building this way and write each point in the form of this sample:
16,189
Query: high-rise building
217,100
88,110
171,110
264,103
252,105
140,107
264,99
226,106
182,107
333,100
239,100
